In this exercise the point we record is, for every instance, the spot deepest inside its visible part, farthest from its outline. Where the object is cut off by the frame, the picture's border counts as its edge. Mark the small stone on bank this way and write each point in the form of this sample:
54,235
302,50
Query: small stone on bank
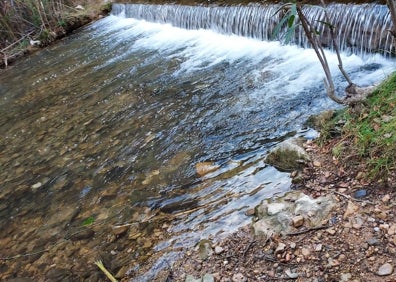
218,250
239,278
298,221
385,269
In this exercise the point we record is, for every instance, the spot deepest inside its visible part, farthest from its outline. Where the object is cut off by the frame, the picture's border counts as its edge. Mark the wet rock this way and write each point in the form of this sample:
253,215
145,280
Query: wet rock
288,155
205,168
385,269
82,234
36,185
119,230
249,212
239,277
275,208
204,249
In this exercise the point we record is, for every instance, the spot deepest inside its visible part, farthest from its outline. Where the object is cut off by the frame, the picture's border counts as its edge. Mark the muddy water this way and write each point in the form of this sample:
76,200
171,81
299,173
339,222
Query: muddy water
101,134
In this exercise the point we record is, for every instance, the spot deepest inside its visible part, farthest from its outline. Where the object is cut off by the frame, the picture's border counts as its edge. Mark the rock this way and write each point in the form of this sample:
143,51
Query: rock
204,249
316,163
392,229
318,247
37,185
386,198
360,194
205,168
290,274
134,235
119,230
79,7
280,248
331,231
298,221
357,222
385,269
288,155
373,242
191,278
238,278
345,277
250,212
218,250
208,278
305,252
350,210
275,208
82,234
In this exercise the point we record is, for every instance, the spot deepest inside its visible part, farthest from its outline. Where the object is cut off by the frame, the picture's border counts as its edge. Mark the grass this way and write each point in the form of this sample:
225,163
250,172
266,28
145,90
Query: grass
23,21
368,132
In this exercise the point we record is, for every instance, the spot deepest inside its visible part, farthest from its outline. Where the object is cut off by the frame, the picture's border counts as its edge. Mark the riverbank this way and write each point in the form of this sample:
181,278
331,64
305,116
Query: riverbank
22,37
356,243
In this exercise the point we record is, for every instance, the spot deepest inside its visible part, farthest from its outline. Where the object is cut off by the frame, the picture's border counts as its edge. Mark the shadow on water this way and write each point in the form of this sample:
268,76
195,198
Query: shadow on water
101,136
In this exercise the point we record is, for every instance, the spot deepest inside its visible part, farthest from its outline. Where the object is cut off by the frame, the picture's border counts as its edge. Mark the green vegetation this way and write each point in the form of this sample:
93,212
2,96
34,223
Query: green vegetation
88,221
368,132
39,22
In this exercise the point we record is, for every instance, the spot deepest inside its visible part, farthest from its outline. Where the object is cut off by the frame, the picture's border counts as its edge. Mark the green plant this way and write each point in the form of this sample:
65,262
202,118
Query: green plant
88,221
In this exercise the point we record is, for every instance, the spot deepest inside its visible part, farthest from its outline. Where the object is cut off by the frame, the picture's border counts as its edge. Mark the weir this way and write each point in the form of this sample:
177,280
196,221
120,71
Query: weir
359,29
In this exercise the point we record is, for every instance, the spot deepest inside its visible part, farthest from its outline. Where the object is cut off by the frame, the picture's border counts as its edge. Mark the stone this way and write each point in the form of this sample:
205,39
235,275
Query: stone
331,231
208,278
350,210
191,278
119,230
250,212
298,221
318,247
317,163
218,250
345,277
357,222
204,249
37,185
392,229
385,269
386,198
280,248
305,252
239,277
275,208
290,274
288,155
373,241
204,168
82,234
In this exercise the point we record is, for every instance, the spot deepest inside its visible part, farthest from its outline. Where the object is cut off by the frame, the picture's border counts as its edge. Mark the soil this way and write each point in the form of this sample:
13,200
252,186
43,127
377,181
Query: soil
357,244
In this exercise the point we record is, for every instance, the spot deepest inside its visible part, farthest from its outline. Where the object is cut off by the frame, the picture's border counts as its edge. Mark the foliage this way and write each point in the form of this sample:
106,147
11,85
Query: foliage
88,221
368,132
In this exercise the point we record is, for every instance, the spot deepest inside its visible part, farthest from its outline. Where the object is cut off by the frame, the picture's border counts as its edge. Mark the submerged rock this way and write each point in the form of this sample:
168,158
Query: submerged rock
288,155
205,168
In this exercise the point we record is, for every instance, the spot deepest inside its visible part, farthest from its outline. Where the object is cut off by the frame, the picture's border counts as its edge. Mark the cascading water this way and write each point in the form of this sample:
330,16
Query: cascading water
358,28
109,125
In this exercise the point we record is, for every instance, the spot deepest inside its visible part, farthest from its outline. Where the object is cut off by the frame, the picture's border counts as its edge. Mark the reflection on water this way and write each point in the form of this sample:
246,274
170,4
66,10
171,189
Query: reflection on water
103,132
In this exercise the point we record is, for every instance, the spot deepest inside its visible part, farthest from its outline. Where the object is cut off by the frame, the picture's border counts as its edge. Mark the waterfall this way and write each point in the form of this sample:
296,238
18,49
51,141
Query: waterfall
359,29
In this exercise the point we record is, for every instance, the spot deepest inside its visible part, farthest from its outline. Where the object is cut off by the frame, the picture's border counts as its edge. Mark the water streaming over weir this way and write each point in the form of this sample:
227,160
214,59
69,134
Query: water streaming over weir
358,28
108,126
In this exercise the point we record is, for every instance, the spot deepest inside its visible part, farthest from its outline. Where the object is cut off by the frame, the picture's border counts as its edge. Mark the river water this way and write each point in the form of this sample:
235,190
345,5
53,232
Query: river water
101,136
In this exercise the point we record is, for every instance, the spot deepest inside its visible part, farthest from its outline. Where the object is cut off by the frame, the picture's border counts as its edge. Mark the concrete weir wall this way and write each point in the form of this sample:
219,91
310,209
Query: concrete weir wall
359,28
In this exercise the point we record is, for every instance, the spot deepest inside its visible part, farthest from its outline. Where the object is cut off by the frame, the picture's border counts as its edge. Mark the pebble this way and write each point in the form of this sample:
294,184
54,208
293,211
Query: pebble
350,210
385,269
331,231
239,277
298,221
386,198
280,248
373,241
37,185
218,250
305,252
392,229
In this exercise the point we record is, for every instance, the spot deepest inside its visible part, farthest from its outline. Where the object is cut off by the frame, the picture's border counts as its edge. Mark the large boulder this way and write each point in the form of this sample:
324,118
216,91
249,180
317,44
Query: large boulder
288,155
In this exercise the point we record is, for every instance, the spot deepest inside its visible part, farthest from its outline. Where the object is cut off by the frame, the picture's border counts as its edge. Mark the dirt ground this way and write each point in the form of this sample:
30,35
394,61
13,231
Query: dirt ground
357,244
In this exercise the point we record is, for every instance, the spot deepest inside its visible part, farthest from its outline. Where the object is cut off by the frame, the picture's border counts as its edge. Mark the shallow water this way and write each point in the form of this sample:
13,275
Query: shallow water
109,125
